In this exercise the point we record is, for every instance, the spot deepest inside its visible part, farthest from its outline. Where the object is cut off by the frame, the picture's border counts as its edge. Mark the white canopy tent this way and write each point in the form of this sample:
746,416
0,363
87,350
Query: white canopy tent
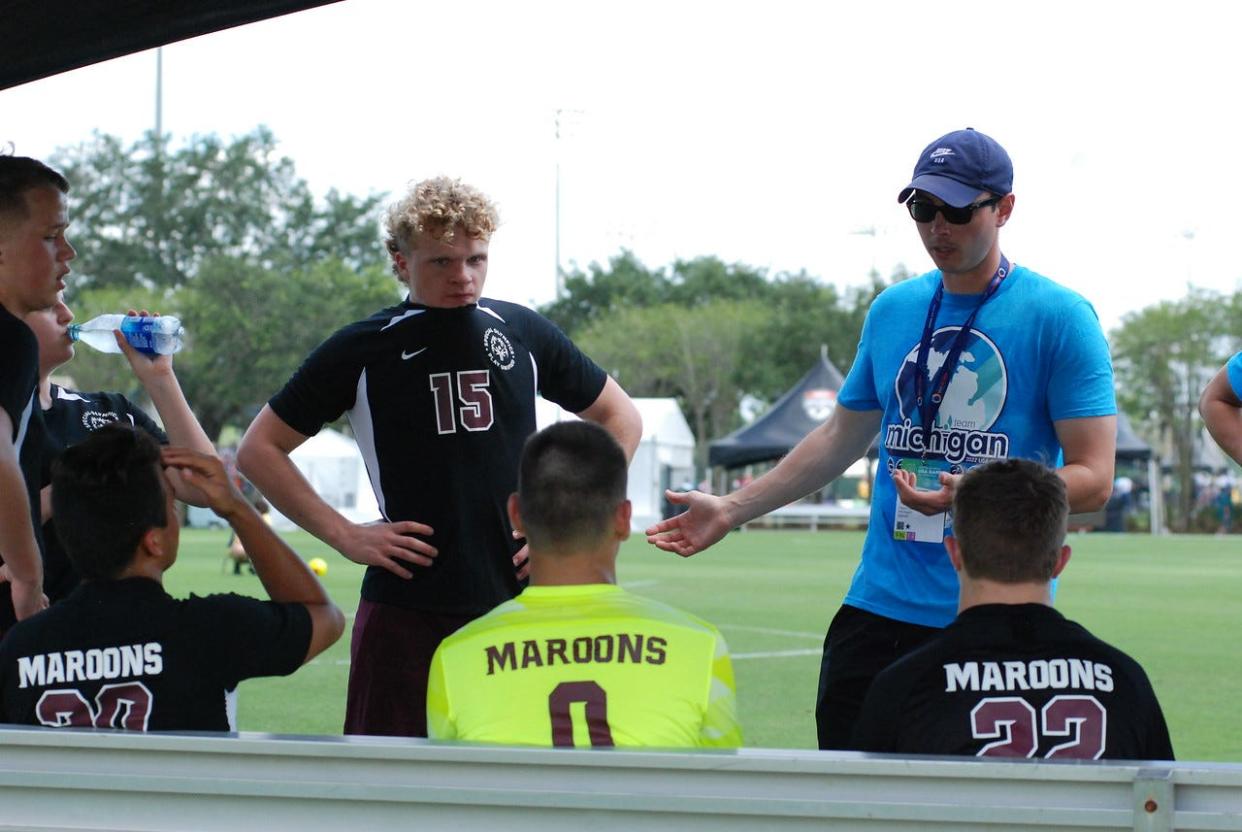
665,455
333,466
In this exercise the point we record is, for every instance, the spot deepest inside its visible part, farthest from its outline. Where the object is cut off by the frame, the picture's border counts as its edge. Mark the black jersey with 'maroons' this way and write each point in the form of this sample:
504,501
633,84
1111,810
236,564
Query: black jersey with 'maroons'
1015,680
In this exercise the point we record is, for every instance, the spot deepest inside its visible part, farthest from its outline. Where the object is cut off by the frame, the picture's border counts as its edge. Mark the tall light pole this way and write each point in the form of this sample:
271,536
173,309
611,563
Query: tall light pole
872,232
560,274
564,119
159,93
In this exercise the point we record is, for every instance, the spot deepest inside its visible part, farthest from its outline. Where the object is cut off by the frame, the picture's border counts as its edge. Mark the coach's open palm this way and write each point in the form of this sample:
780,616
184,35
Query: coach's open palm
701,525
925,501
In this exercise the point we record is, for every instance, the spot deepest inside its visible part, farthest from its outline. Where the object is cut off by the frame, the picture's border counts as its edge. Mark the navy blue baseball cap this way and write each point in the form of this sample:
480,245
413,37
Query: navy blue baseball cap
956,167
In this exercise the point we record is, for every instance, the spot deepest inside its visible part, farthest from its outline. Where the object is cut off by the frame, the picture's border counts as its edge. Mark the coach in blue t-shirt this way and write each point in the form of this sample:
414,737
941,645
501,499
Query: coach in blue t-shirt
980,359
1221,407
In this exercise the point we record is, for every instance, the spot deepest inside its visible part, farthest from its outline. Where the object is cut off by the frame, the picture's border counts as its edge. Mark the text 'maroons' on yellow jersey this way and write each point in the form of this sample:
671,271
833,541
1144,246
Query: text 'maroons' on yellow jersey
586,665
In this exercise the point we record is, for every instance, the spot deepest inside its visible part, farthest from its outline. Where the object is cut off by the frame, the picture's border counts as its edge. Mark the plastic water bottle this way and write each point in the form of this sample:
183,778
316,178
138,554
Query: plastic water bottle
149,335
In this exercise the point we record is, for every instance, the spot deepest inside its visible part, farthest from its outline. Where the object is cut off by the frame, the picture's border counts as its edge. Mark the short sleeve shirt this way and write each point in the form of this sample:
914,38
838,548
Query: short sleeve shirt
125,654
440,402
1035,355
1015,680
588,665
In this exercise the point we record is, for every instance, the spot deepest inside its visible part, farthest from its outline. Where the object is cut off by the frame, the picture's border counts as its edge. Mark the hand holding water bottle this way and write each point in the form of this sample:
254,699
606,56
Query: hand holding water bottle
151,369
151,335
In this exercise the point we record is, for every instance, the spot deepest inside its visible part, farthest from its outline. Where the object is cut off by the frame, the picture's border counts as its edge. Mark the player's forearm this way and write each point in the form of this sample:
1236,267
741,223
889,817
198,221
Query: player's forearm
280,481
614,411
821,457
182,428
180,423
627,428
17,540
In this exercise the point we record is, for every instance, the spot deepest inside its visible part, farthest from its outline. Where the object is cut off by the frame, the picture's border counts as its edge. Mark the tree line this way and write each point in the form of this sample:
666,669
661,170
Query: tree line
225,234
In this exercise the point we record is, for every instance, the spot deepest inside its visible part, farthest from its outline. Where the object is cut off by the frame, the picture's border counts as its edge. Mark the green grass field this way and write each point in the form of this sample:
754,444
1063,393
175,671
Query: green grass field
1171,602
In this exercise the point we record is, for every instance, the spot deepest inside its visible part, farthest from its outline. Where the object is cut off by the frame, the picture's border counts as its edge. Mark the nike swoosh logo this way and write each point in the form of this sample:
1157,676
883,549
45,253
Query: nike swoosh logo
406,356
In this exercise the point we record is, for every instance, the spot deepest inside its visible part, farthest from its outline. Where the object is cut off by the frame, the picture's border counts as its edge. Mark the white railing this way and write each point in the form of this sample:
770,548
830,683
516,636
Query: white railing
107,781
815,515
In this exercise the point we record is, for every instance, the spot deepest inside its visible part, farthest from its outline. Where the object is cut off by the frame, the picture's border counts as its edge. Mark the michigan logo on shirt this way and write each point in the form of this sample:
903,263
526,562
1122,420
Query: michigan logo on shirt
973,401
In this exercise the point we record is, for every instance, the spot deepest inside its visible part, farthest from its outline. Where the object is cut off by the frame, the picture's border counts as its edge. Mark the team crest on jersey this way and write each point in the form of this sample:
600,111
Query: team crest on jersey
96,419
498,348
973,402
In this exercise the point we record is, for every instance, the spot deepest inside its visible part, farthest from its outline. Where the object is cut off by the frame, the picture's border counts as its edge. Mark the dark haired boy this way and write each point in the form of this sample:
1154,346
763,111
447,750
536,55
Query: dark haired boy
1011,677
120,652
575,660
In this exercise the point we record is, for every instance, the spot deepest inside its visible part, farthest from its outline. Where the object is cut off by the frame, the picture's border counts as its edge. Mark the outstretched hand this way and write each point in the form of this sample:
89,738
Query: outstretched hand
922,501
692,531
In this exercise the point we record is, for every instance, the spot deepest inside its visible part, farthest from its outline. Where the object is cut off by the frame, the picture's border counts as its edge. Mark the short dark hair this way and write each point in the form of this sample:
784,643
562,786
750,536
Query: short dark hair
107,492
19,174
1009,518
570,481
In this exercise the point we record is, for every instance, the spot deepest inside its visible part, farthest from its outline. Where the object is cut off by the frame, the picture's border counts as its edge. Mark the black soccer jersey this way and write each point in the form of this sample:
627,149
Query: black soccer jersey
73,417
440,401
19,378
1015,680
125,654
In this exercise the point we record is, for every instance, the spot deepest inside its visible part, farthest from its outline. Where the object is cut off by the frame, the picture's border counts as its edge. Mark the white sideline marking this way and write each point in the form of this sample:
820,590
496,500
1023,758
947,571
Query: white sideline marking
772,631
777,654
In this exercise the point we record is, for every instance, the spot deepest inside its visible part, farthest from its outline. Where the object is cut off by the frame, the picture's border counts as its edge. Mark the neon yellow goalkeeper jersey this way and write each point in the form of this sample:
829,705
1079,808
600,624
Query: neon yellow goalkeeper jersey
586,665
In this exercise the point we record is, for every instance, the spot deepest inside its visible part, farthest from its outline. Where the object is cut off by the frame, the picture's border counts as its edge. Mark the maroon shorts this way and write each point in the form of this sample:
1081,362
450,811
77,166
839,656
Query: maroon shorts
389,661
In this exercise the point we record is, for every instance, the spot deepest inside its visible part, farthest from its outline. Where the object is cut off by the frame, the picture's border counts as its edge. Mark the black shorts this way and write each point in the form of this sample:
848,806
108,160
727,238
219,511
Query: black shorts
858,646
389,662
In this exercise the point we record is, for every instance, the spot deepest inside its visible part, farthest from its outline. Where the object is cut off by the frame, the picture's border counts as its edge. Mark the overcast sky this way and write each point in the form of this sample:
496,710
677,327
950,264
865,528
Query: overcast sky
774,133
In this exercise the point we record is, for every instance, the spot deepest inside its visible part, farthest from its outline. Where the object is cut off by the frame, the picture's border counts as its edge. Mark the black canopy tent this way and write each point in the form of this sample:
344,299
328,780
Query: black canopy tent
39,38
1129,445
806,405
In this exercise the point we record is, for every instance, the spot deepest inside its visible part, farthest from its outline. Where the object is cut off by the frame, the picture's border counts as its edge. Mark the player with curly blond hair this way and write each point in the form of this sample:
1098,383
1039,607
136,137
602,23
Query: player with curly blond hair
440,391
436,208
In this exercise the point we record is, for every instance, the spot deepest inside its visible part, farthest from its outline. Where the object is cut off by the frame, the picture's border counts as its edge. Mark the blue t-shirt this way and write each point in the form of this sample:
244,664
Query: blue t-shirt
1035,355
1234,369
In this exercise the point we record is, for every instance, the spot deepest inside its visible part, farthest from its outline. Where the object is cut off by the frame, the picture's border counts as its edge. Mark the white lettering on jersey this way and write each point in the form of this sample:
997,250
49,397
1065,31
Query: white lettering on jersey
154,657
1039,674
90,665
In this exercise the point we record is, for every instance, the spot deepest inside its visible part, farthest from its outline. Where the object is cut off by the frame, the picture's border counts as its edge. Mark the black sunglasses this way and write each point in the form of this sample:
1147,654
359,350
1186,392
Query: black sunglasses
923,211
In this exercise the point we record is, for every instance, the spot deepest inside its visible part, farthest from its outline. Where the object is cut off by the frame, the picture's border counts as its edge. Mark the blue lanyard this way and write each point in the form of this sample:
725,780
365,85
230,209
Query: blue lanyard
929,405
